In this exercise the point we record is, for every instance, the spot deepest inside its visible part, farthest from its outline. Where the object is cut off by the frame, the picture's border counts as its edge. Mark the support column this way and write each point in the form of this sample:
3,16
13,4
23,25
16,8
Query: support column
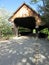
37,30
0,34
16,30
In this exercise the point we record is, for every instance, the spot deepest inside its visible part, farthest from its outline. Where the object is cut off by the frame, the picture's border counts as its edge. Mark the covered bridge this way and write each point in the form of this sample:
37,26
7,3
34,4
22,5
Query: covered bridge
25,17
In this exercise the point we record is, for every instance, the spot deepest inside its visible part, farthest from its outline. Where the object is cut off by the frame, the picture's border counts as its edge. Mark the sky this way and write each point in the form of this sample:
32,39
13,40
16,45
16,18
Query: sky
12,5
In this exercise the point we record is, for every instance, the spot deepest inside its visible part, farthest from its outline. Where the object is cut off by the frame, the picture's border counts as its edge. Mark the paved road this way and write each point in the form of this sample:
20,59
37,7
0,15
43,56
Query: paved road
24,51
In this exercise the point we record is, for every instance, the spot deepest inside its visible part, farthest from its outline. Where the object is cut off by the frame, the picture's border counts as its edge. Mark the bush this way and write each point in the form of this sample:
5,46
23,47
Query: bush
45,32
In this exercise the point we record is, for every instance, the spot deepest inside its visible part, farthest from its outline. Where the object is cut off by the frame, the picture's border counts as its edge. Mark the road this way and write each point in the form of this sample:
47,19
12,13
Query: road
24,51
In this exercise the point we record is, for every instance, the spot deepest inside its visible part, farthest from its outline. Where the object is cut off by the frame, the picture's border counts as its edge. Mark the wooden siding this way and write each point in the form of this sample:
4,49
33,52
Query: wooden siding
26,11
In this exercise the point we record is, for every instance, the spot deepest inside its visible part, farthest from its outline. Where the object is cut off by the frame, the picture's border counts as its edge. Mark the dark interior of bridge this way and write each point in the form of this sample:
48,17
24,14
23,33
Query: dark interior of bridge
26,22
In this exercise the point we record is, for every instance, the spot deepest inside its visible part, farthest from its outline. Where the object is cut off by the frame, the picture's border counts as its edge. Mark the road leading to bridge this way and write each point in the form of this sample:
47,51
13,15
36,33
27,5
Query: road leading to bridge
24,51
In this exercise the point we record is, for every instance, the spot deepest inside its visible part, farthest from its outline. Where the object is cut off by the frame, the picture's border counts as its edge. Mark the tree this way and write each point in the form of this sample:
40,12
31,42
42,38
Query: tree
5,26
34,1
43,10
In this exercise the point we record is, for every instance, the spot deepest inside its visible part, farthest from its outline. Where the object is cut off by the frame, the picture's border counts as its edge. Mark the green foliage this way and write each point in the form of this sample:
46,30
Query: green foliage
34,1
5,26
43,9
45,31
22,29
34,30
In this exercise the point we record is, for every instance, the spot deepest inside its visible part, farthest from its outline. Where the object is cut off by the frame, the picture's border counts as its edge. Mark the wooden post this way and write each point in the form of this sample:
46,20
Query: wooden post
16,30
37,30
0,35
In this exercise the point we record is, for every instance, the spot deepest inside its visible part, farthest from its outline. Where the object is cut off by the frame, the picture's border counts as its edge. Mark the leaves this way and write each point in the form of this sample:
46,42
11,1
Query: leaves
34,1
5,26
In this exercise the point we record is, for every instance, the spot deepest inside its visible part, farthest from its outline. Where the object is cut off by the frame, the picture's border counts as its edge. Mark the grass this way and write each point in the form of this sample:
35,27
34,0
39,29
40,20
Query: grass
7,37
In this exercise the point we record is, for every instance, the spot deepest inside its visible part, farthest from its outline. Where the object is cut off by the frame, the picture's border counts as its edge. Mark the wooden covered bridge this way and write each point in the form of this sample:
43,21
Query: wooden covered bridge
25,17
